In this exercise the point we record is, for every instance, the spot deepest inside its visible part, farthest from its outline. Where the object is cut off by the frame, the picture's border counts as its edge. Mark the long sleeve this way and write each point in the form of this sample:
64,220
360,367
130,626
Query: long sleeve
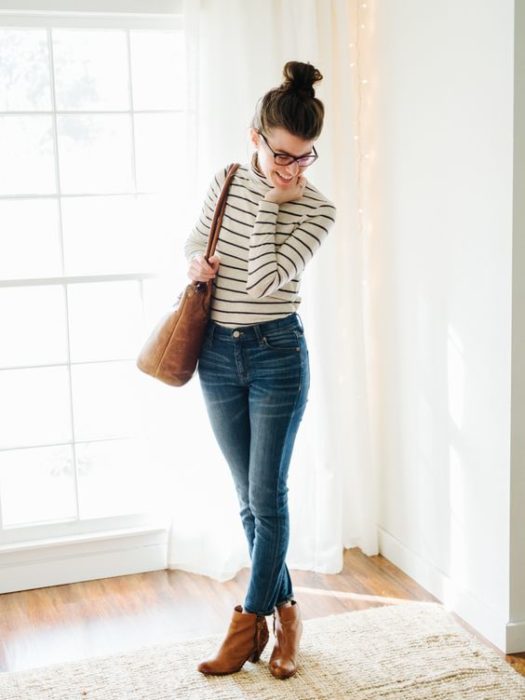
270,266
197,241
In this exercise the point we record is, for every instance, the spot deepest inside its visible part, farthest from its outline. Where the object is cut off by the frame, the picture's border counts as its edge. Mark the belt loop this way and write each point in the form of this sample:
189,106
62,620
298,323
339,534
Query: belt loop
212,330
258,332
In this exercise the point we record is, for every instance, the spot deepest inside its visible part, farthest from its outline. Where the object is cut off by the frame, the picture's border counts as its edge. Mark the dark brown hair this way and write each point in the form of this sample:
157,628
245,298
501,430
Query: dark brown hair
293,105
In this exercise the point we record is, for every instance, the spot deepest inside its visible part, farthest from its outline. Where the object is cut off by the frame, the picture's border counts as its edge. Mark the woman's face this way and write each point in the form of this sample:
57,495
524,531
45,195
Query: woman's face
281,141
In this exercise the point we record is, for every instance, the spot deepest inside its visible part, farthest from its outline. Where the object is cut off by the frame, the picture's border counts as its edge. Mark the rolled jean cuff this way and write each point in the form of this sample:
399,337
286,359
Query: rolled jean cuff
283,602
254,612
264,614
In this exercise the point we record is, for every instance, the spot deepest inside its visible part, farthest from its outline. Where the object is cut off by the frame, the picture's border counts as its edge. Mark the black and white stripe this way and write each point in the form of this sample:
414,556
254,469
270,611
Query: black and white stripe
264,247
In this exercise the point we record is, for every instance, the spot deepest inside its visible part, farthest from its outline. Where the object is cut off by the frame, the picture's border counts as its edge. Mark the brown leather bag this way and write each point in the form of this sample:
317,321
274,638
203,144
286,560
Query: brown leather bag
172,350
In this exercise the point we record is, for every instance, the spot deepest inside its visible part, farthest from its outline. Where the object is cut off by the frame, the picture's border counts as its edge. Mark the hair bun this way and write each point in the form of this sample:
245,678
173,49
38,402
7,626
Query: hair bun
300,77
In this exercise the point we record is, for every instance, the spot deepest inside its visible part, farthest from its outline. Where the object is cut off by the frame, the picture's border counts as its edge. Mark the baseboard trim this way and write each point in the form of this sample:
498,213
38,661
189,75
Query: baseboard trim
515,637
492,624
85,557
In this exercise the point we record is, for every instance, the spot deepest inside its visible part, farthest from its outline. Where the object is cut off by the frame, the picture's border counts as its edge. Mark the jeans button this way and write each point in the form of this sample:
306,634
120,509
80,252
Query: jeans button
236,334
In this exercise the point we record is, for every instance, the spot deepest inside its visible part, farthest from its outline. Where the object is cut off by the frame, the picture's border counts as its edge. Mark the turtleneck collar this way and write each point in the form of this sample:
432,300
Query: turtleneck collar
256,174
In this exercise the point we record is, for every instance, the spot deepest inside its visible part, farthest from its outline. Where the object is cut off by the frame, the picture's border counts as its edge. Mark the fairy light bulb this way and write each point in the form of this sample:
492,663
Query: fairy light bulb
364,151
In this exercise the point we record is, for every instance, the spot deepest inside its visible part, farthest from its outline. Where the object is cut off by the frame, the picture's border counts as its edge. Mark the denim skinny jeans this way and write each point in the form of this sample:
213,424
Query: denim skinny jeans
255,381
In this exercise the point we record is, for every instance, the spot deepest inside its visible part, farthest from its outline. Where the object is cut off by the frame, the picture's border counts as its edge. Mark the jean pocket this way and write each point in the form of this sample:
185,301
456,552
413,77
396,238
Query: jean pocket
283,340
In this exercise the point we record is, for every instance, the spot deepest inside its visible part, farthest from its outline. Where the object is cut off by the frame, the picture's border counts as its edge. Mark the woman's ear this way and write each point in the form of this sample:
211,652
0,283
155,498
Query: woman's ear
254,137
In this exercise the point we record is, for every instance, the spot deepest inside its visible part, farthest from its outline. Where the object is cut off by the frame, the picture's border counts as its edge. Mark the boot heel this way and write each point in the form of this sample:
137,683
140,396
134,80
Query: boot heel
255,656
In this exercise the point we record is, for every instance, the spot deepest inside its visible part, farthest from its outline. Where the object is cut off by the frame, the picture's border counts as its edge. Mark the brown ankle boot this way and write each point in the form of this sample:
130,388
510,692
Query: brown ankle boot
246,638
287,628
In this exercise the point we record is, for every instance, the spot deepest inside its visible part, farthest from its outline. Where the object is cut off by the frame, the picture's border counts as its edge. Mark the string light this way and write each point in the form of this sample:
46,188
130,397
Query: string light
364,15
360,24
363,159
355,64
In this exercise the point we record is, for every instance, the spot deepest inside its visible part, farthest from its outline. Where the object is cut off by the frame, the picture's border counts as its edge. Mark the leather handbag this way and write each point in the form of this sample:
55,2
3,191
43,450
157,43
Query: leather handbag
172,350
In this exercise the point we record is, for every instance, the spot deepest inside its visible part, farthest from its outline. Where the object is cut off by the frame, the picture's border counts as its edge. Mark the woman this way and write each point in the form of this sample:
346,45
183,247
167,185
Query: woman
254,366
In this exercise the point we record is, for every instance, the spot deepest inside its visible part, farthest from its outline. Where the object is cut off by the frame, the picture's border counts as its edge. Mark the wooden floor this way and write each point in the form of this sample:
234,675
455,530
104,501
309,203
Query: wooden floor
75,621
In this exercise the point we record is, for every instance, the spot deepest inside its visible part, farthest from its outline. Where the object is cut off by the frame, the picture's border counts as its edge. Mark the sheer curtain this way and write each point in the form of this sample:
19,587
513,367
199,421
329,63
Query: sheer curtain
236,51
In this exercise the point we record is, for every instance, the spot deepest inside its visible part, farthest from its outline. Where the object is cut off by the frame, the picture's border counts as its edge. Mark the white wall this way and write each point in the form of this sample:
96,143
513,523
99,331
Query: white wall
443,232
517,486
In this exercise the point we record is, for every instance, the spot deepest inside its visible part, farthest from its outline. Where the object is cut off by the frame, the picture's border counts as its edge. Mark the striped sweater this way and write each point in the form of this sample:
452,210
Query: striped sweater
263,246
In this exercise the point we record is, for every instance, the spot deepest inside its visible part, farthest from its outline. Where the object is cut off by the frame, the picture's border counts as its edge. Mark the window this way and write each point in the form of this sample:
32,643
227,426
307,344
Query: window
93,125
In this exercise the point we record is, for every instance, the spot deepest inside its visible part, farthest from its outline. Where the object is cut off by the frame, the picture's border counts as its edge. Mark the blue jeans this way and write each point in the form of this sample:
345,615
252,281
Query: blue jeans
255,381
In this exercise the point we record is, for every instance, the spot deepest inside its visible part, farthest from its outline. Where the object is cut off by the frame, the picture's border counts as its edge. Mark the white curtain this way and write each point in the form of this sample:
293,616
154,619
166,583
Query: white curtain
236,51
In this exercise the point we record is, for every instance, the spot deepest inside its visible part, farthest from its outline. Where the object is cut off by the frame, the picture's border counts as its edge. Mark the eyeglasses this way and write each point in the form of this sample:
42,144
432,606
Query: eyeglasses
287,159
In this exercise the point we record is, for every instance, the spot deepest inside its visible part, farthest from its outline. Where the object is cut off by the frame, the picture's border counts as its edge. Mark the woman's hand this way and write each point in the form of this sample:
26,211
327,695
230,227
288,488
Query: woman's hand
279,194
202,271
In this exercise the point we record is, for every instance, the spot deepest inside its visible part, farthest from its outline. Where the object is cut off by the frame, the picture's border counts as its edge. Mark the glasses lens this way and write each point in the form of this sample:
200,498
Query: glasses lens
283,160
307,160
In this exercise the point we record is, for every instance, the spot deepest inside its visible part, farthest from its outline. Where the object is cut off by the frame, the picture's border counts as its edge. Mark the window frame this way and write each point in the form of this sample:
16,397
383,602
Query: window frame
140,15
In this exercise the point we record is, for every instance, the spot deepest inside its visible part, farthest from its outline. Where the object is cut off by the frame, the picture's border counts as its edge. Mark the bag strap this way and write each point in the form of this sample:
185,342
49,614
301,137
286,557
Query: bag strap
219,212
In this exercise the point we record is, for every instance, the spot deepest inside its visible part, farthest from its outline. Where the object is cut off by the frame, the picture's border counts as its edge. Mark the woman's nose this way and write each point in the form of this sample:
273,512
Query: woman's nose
293,168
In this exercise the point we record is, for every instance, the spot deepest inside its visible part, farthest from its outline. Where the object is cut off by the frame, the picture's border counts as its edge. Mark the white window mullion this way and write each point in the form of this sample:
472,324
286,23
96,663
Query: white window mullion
138,14
61,243
94,7
132,115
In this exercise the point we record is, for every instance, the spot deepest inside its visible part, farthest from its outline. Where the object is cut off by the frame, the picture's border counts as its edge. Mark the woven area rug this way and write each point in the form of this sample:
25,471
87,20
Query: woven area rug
410,651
